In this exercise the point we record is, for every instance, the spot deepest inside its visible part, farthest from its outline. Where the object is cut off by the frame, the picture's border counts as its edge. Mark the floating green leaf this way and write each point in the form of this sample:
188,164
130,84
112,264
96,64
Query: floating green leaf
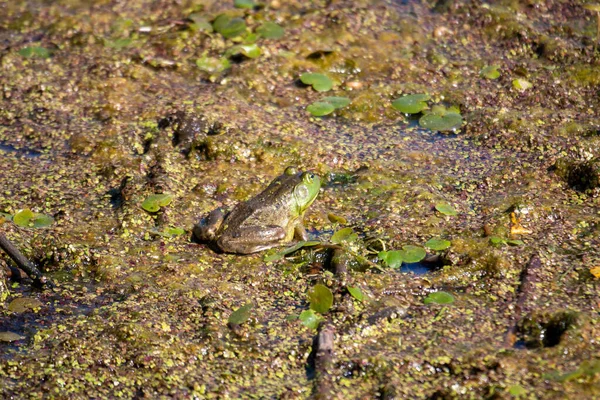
35,51
412,254
344,235
5,216
321,298
437,244
200,22
445,209
319,82
337,102
336,219
249,50
213,65
229,27
356,292
521,84
310,319
490,72
28,219
22,304
320,109
496,240
241,315
517,390
439,298
392,259
279,255
441,120
118,44
412,103
154,202
169,232
270,30
10,337
249,4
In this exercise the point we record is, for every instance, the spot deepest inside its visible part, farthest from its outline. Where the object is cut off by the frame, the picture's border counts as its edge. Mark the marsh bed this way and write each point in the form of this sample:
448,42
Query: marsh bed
104,103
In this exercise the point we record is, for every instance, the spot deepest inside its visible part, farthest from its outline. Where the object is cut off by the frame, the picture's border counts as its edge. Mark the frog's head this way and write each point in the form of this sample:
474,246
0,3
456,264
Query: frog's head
306,188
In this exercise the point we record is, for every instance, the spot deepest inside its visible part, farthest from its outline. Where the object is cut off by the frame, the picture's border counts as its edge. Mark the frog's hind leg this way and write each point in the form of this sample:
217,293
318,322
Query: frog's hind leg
251,239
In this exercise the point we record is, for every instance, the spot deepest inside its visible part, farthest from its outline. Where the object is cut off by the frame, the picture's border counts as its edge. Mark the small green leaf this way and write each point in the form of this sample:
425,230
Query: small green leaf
320,109
515,242
248,4
336,102
200,22
154,202
270,30
170,232
229,27
449,121
310,319
10,337
249,50
490,72
496,240
336,219
213,65
118,44
517,391
5,216
412,254
521,84
344,235
23,304
439,298
319,82
393,258
445,209
35,51
241,315
356,292
438,244
321,298
412,103
289,250
28,219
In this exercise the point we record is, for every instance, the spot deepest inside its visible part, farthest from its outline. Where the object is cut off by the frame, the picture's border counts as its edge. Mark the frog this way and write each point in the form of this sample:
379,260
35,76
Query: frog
270,219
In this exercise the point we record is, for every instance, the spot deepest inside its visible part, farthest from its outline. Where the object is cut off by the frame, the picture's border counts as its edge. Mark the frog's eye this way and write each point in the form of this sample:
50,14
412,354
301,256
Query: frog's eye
301,192
290,171
308,177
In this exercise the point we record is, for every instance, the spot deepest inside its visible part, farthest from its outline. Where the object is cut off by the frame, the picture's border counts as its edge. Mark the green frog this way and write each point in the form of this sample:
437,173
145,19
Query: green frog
268,220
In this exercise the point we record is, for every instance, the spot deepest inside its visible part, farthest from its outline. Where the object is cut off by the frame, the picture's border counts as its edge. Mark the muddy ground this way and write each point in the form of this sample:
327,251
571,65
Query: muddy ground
104,103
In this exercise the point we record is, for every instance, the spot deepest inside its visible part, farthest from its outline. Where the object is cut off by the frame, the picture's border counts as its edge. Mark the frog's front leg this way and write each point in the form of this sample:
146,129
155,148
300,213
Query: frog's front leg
300,232
250,239
206,229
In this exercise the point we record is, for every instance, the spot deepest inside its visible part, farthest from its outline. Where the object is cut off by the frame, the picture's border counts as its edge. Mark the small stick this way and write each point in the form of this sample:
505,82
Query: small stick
323,350
529,277
24,263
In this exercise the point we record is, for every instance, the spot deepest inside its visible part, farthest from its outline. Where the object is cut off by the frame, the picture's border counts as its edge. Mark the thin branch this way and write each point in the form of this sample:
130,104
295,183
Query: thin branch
23,263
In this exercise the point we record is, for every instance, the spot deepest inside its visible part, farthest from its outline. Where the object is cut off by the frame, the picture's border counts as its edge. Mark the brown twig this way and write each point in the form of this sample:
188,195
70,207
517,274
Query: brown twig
323,359
529,277
23,263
